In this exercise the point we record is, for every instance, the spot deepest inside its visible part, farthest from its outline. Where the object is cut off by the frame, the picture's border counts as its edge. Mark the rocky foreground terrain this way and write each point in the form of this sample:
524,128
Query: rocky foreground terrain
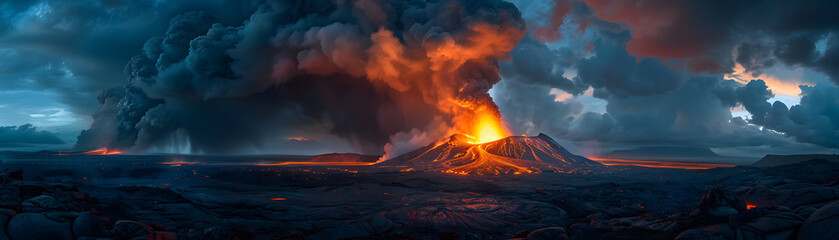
148,197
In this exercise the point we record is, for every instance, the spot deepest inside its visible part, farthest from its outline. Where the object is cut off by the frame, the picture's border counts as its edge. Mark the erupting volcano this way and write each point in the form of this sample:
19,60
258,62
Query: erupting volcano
467,155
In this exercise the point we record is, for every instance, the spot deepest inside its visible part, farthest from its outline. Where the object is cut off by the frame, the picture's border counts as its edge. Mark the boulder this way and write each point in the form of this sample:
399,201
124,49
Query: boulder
698,234
5,216
721,203
792,196
805,211
7,176
580,231
723,230
9,196
125,229
88,224
39,226
42,203
162,235
550,233
775,222
821,223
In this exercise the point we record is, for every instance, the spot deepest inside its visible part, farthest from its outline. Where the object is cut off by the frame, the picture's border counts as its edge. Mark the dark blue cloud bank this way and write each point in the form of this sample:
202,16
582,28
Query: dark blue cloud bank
243,76
661,88
26,136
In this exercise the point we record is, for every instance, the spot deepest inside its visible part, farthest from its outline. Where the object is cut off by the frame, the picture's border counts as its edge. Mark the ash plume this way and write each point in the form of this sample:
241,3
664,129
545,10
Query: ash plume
370,72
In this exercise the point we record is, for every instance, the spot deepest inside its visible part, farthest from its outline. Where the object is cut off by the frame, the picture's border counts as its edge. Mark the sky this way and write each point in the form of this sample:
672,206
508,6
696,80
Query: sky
383,77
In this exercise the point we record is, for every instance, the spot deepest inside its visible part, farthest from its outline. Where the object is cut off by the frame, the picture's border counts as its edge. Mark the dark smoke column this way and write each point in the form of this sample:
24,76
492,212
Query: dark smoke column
370,72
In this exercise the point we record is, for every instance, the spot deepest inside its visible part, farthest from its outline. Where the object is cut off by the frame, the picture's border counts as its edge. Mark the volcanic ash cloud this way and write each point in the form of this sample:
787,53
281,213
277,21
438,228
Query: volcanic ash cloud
369,72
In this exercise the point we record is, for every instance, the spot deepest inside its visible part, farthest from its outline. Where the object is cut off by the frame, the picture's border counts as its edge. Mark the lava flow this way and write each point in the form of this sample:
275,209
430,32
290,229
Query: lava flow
102,151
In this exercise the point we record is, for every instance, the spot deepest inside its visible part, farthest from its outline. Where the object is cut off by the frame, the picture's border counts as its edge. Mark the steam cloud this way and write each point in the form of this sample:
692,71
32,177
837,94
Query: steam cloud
371,72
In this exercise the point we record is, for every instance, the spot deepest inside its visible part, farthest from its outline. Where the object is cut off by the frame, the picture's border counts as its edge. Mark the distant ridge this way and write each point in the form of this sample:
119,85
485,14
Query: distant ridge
676,154
664,152
780,160
344,157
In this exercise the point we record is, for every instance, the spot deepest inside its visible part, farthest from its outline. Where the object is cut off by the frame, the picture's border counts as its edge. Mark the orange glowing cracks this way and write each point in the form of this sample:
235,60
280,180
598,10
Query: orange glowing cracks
103,151
488,128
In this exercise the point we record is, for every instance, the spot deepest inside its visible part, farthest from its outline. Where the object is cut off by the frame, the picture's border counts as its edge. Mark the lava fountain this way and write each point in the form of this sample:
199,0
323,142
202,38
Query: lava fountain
488,128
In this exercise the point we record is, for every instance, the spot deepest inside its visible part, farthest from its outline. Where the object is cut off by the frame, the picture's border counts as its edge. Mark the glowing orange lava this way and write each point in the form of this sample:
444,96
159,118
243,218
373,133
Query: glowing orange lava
509,155
488,128
103,151
750,206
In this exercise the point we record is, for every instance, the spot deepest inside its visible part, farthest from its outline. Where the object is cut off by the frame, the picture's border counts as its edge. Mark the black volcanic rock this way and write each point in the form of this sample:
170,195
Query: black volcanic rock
510,155
822,223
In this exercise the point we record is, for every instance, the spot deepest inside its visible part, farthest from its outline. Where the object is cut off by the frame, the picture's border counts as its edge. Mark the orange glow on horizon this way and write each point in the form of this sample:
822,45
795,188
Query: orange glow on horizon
779,86
658,164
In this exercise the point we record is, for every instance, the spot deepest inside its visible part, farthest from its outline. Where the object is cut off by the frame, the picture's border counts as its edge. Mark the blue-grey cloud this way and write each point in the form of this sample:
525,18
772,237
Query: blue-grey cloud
79,48
815,120
25,135
650,100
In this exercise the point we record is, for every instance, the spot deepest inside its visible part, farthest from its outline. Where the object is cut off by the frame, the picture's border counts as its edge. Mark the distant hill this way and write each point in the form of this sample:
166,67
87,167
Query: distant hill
664,152
344,157
510,155
678,154
780,160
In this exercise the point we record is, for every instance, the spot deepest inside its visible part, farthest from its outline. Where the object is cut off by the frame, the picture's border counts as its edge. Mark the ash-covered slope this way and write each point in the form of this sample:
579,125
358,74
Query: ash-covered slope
511,155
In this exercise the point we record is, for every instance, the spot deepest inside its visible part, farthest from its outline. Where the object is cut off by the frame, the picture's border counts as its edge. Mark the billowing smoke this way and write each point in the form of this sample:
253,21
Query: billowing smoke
370,72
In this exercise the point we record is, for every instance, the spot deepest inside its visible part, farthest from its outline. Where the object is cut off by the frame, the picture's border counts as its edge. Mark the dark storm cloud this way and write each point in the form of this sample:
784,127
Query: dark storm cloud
23,135
814,120
649,100
534,63
705,33
78,48
362,70
657,65
530,108
626,75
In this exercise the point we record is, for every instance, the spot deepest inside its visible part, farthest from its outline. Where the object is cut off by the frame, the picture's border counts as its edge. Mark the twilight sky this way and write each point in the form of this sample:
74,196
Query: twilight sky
230,76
